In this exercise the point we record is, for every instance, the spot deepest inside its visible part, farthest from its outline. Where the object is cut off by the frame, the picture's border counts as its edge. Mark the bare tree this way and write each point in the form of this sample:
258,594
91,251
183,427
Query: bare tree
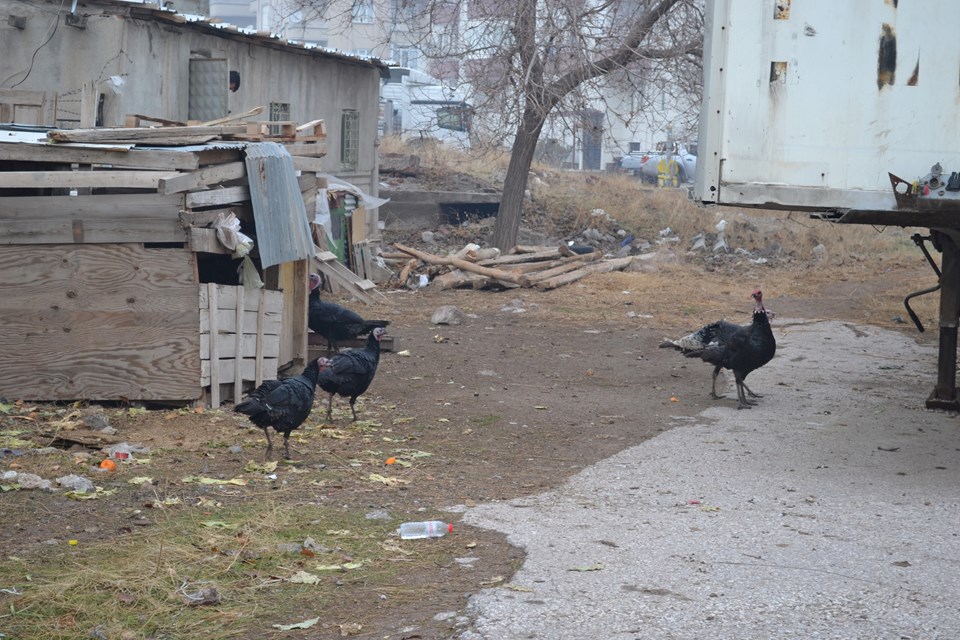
527,63
562,56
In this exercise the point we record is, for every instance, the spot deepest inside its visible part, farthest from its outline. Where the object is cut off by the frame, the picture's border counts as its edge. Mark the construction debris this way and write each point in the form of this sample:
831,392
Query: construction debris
540,267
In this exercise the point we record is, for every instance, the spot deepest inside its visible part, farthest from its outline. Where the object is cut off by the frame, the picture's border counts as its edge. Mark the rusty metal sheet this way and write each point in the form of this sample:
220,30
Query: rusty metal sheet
283,233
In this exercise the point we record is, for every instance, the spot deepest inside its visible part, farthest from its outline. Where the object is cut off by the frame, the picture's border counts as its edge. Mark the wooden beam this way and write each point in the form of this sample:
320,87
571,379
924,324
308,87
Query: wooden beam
119,207
140,134
498,274
133,120
90,231
310,149
216,197
214,358
615,264
202,178
304,163
115,157
82,179
206,241
234,117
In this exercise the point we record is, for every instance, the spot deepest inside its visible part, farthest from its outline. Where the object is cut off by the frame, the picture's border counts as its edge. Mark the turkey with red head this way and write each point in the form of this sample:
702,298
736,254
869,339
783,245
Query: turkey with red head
739,348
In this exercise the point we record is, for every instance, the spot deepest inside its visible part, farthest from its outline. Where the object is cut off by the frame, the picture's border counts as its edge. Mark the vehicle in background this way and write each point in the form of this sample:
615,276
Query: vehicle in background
416,106
646,164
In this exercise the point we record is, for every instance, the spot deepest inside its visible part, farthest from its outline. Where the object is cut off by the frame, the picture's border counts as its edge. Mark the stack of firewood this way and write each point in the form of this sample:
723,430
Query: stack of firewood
524,266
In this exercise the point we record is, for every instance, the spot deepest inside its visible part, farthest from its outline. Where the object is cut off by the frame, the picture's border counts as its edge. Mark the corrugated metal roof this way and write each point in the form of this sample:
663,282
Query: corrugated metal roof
283,234
266,37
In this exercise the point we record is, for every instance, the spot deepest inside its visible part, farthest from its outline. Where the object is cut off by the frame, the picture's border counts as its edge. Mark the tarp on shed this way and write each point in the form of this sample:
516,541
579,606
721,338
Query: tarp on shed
283,234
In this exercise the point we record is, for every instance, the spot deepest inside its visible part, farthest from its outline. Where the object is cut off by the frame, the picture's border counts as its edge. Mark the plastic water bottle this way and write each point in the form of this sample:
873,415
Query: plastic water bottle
429,529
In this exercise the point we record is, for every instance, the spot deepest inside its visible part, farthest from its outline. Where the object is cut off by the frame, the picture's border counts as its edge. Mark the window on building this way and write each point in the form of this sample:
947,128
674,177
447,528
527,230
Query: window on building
362,11
454,118
405,11
350,138
406,57
279,112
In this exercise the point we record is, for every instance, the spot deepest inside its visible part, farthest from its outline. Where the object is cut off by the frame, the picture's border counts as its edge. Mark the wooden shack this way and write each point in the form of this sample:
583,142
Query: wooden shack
118,282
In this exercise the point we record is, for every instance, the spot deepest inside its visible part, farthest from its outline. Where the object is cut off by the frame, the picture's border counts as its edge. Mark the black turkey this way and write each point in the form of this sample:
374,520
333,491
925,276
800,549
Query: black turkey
333,322
351,372
283,404
740,349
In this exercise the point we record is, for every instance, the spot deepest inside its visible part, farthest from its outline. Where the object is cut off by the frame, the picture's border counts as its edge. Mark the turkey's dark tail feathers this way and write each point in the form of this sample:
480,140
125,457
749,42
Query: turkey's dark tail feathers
250,406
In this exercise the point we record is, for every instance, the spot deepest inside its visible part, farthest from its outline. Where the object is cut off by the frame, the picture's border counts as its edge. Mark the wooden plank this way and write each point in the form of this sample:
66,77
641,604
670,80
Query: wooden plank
615,264
234,117
228,300
226,321
207,217
497,274
304,163
216,197
133,120
308,149
249,346
238,346
214,332
119,206
64,231
294,283
202,178
225,372
68,179
103,322
565,265
314,128
115,157
205,241
517,258
260,347
140,134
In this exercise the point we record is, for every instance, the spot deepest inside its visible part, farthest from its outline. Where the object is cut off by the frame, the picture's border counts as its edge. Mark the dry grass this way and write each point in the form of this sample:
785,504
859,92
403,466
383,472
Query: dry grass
201,575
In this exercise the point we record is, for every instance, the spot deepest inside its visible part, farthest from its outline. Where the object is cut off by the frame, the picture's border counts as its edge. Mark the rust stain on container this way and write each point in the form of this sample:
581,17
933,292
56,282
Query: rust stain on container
915,76
781,10
887,57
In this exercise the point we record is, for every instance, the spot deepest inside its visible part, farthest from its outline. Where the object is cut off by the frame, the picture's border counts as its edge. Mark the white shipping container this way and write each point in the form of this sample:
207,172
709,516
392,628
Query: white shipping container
809,104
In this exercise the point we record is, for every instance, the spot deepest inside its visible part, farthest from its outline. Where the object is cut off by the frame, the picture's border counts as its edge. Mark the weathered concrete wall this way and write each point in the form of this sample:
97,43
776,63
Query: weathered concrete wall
410,210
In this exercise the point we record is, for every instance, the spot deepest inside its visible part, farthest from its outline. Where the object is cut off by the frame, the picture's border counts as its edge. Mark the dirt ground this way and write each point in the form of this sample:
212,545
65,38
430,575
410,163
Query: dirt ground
508,403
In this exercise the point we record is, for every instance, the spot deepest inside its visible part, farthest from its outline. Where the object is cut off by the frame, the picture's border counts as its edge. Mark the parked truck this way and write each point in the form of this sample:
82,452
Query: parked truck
848,110
648,165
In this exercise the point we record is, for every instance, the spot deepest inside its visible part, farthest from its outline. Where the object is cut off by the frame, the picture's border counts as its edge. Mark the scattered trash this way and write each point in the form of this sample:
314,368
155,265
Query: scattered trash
346,566
306,624
76,483
108,465
428,529
205,596
304,577
593,567
390,460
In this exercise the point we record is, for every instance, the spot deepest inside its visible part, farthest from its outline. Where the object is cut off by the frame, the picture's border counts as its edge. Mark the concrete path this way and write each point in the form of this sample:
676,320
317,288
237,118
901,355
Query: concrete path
831,510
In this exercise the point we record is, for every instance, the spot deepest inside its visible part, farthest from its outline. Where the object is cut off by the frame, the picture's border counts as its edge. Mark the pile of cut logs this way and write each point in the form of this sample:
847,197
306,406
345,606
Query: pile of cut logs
524,266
